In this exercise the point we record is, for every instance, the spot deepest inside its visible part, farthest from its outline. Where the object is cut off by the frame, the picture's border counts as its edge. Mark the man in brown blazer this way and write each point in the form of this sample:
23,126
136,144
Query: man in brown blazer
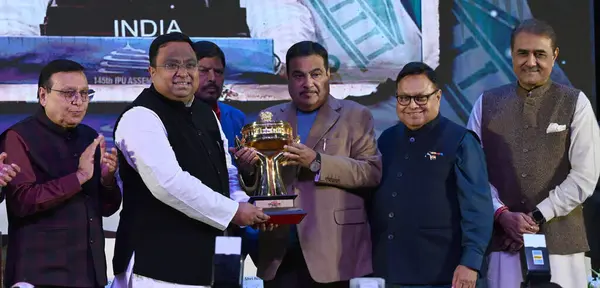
337,155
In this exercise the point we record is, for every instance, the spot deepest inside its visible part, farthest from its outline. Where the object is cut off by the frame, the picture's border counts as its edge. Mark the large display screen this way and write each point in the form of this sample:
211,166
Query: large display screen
369,41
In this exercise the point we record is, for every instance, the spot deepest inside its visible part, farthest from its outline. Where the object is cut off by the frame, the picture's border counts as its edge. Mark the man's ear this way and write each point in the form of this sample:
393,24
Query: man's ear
42,96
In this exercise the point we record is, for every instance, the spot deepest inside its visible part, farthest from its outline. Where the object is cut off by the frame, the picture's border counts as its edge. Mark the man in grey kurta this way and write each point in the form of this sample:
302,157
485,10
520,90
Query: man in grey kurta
541,142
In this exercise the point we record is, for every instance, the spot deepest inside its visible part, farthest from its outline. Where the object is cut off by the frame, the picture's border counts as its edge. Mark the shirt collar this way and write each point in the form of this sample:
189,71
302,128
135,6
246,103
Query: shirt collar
169,102
426,128
41,116
535,91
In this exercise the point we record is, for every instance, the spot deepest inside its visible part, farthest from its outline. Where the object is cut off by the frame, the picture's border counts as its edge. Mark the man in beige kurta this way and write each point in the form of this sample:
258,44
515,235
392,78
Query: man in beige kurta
541,142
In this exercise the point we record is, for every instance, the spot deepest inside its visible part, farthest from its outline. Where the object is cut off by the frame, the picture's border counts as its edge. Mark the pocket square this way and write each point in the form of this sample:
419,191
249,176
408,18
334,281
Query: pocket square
554,127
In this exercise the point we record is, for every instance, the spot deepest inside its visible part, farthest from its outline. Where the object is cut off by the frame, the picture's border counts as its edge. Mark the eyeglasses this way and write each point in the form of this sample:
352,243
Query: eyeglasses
419,100
71,95
172,67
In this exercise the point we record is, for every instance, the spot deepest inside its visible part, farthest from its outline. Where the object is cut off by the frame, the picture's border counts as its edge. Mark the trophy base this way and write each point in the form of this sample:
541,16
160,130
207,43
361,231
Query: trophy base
280,208
285,216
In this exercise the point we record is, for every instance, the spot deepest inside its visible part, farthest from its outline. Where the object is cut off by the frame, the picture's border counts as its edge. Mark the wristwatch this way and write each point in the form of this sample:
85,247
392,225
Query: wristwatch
538,217
315,165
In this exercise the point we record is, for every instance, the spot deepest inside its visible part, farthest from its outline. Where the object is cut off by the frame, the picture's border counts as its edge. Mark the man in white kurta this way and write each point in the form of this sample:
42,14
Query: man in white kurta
542,145
171,146
149,144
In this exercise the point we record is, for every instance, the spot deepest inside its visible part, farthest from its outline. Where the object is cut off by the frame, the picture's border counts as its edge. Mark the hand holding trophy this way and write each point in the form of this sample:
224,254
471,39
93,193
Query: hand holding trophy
268,138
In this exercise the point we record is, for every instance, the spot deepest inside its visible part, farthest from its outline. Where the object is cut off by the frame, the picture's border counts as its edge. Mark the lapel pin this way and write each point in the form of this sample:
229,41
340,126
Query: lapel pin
433,155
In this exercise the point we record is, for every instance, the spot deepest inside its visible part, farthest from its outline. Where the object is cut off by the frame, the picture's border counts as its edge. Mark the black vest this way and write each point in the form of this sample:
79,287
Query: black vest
415,216
54,153
169,245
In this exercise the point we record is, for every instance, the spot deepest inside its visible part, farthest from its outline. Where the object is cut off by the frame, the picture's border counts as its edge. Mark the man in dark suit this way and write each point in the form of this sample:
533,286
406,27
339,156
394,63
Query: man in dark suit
430,219
66,185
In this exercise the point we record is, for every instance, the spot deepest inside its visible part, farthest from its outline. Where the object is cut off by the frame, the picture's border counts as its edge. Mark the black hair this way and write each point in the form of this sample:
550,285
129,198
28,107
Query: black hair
306,48
162,40
56,66
417,68
207,49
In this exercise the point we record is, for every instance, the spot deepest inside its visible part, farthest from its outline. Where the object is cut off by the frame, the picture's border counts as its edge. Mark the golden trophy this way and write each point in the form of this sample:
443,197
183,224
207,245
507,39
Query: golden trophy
268,138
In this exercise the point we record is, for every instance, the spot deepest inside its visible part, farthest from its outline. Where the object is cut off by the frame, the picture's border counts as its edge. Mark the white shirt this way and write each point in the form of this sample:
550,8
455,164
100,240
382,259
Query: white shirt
142,138
584,156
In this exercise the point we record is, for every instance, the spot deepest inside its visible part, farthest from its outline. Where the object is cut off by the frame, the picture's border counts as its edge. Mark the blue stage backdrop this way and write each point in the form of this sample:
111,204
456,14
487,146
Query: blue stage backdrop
118,61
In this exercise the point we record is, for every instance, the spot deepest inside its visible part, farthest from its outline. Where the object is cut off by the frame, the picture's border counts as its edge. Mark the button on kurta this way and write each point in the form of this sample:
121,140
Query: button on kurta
524,175
412,139
406,156
525,150
391,215
394,194
390,236
399,174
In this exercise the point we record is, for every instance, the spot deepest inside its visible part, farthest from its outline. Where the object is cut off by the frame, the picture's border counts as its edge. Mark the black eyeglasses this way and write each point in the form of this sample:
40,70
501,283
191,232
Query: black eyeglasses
71,95
172,67
419,100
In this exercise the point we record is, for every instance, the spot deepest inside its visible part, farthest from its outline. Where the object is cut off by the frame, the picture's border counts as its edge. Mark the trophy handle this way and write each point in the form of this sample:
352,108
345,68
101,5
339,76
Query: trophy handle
246,188
261,158
238,143
279,157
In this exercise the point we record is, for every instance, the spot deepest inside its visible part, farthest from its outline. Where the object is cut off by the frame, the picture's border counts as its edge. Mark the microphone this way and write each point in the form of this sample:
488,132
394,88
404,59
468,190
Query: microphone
367,282
228,266
535,261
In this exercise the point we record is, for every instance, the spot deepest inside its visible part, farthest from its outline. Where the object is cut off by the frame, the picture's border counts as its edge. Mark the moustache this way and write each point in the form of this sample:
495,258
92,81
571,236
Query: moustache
209,86
532,69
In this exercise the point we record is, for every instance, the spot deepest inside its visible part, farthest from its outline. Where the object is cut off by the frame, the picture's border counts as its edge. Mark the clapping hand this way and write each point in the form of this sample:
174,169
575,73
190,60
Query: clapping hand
108,163
7,171
85,171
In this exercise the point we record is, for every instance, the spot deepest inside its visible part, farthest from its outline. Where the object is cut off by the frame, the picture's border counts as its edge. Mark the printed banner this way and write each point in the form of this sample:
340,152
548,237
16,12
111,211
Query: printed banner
121,61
